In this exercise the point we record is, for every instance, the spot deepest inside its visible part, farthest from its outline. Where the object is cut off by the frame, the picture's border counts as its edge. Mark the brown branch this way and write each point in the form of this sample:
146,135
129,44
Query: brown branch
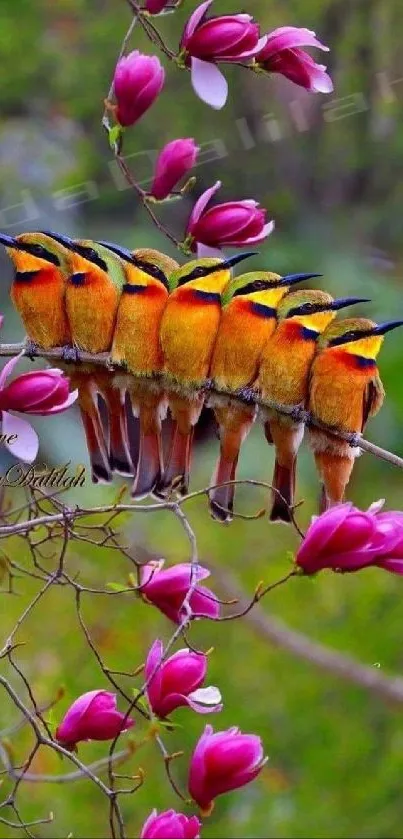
68,777
389,688
103,359
143,198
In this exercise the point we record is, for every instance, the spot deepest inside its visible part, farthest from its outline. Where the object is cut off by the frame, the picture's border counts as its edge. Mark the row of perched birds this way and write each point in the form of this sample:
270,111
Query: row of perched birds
190,334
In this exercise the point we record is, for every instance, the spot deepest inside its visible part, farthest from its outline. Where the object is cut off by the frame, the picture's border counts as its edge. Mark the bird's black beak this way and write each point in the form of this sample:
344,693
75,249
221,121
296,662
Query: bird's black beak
119,250
343,302
238,257
9,241
29,247
382,328
86,251
66,241
292,279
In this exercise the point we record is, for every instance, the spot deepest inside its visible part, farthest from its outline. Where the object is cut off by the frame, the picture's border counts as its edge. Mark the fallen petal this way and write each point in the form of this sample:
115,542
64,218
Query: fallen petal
26,446
209,83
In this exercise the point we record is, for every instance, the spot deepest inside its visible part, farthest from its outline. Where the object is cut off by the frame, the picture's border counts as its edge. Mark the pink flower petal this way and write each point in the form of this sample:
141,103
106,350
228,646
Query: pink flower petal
195,19
69,724
9,367
251,53
395,566
205,250
254,240
224,38
226,221
376,506
205,700
153,667
26,446
320,80
201,204
289,37
321,531
72,397
209,83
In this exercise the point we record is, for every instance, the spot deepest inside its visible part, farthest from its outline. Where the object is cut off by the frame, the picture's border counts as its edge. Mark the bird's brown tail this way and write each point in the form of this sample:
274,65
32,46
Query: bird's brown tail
97,451
178,464
335,471
119,448
150,460
185,414
234,424
221,498
283,492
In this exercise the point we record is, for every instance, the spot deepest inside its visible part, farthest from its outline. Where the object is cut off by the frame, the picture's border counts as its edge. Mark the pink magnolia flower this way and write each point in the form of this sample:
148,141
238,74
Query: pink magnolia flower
155,7
392,558
167,588
170,825
233,224
222,762
178,681
282,53
346,539
137,82
43,392
173,162
93,716
208,40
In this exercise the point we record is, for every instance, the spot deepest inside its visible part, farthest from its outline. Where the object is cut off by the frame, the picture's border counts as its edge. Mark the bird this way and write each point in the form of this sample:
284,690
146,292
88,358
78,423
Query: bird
345,390
283,379
188,331
94,284
248,320
136,345
38,288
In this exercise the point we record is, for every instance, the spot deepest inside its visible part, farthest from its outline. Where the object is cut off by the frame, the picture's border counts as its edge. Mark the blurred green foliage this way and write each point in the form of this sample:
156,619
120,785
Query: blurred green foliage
328,169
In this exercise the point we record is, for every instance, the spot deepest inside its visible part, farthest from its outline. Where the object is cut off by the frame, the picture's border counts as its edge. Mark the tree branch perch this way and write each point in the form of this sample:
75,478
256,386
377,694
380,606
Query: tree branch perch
103,360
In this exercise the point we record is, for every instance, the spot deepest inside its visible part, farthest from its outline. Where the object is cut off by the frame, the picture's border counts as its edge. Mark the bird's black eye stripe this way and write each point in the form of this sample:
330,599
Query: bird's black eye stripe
200,271
304,309
352,335
256,285
91,255
40,252
151,270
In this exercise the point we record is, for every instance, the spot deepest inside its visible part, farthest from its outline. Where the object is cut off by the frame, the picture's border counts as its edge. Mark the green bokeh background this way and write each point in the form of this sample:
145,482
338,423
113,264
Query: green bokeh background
329,171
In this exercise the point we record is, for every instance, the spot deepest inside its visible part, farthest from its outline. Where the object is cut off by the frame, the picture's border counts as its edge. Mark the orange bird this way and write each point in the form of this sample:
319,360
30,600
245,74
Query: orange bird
188,332
94,285
39,286
283,378
248,320
344,391
136,344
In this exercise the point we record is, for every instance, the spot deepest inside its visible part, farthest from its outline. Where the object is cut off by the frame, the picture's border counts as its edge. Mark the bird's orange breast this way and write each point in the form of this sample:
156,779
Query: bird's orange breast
91,310
244,329
40,302
337,389
188,331
285,365
136,338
